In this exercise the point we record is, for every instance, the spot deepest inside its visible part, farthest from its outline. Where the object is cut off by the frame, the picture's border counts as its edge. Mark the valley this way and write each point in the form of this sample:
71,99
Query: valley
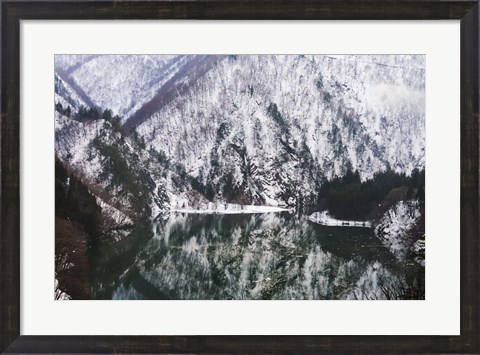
166,163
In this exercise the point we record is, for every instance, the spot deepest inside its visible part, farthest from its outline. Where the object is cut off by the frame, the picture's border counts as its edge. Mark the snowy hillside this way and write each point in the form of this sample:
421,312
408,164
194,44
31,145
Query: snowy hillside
394,227
246,129
124,83
276,123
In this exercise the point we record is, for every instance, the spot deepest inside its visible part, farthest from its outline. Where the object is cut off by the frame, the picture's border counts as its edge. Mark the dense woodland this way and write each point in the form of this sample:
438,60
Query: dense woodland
346,197
350,198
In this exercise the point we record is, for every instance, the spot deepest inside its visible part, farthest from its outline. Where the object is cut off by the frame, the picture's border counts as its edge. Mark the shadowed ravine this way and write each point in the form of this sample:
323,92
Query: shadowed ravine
260,256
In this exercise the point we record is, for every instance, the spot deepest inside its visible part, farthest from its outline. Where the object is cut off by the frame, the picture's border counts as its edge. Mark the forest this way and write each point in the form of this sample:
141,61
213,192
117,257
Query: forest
348,197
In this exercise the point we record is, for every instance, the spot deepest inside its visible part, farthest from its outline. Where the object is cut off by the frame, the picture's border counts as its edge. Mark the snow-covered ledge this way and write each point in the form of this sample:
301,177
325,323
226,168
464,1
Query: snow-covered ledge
229,208
393,229
324,218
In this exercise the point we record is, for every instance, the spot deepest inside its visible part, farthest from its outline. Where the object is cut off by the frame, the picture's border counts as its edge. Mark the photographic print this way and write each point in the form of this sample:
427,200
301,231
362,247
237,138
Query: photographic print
239,177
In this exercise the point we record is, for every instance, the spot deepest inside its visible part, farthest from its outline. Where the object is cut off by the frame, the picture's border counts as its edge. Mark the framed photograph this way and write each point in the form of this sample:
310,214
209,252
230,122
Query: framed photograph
239,176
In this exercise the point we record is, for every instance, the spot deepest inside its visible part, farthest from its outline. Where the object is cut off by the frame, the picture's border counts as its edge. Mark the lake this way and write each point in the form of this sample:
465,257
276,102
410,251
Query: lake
251,256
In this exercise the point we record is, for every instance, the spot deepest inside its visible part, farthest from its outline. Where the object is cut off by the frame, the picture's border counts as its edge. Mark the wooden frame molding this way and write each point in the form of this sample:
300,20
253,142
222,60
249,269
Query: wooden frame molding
12,12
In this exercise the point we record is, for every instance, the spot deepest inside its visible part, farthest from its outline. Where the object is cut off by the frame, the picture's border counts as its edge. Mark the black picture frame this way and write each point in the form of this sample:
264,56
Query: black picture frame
13,12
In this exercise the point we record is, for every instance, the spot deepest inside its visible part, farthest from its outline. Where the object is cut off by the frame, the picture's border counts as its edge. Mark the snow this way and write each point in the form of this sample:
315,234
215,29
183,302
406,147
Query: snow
393,227
113,213
59,294
367,113
324,218
374,119
68,96
363,88
101,76
230,208
419,247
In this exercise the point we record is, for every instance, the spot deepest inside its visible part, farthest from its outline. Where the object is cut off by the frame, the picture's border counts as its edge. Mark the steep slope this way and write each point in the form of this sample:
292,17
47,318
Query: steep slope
67,96
132,86
111,166
249,129
269,129
129,182
175,82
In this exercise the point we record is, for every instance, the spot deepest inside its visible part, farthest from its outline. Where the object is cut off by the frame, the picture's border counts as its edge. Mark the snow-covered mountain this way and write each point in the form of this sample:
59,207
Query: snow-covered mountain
250,129
129,85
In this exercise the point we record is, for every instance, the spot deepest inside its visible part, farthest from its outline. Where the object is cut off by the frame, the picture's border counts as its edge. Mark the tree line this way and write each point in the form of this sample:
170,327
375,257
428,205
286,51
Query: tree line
85,114
348,197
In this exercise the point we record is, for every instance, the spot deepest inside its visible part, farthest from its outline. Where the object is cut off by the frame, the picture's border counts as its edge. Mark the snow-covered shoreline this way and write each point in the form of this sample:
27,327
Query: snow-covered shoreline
393,229
229,208
325,219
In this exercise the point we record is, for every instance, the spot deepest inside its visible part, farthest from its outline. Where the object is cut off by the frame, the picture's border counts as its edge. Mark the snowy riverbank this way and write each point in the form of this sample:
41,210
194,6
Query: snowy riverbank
394,230
229,208
325,219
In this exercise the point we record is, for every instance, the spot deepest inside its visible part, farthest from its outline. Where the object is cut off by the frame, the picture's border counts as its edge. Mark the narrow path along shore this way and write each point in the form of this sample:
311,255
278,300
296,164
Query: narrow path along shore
229,208
325,219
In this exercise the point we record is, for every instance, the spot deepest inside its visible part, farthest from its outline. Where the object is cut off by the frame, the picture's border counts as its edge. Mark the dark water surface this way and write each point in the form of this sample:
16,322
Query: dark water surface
259,256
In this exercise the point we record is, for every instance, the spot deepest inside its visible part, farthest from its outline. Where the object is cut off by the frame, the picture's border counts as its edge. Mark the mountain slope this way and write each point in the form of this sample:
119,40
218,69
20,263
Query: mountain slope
256,129
271,128
131,86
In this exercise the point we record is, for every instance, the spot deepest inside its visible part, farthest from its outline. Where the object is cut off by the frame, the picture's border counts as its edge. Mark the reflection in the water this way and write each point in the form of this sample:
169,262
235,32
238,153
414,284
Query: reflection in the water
262,256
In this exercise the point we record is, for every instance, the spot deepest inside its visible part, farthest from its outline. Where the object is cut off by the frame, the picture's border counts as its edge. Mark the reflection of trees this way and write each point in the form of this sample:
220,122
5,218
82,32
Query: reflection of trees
261,257
114,261
395,288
